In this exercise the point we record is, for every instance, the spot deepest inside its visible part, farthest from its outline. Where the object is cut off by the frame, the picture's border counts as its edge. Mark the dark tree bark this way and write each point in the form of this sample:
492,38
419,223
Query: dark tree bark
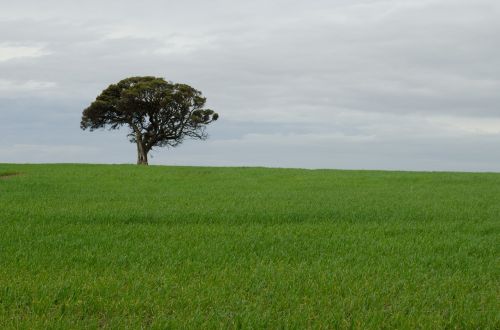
142,155
142,152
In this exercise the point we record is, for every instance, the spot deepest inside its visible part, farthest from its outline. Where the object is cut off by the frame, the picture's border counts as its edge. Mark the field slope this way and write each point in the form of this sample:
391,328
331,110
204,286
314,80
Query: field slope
189,247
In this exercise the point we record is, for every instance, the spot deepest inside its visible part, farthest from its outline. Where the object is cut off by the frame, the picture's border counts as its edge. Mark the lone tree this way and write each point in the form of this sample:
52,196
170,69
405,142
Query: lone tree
157,112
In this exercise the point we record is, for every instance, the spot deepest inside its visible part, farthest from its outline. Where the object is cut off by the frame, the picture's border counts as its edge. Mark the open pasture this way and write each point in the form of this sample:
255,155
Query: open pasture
120,246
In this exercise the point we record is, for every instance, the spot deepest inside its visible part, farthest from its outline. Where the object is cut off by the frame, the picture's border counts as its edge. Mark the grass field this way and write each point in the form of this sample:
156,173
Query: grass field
190,247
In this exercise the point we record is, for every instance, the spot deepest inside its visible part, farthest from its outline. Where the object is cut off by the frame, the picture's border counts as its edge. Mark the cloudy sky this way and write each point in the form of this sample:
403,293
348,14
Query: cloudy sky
355,84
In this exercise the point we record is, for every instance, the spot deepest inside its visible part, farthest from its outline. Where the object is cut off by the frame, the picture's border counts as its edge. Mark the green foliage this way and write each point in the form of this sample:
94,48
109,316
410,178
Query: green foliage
157,113
87,246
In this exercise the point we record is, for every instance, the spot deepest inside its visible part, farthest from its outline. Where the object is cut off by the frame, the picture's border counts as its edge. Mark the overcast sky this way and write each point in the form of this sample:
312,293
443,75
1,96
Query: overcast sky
355,84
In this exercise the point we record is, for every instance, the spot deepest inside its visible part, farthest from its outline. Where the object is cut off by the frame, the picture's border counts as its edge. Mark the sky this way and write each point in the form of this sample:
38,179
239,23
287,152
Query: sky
348,84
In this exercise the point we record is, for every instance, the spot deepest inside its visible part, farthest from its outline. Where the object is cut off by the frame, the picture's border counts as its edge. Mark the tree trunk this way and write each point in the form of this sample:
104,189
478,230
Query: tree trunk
142,154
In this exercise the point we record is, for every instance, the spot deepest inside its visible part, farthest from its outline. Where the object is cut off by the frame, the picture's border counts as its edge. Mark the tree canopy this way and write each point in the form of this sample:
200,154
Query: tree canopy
157,112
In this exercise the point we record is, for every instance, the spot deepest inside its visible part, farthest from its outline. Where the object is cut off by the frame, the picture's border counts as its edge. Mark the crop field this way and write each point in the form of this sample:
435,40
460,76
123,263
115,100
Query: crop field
123,246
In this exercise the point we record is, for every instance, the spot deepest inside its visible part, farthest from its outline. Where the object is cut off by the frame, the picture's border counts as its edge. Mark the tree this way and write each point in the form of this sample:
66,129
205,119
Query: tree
157,112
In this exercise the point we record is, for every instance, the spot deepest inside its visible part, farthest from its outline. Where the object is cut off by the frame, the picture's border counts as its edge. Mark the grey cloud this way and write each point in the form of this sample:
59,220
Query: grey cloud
402,72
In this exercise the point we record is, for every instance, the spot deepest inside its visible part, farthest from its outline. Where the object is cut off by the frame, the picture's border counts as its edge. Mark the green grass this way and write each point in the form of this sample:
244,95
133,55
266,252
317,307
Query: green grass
89,246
